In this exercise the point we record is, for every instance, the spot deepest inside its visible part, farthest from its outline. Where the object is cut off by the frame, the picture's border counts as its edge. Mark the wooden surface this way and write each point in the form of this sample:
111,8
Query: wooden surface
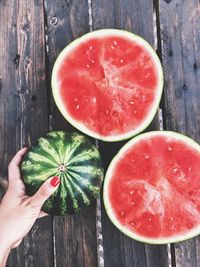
23,108
32,33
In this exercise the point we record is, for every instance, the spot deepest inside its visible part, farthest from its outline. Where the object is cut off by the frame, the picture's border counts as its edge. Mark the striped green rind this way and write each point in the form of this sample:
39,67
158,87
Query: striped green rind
80,181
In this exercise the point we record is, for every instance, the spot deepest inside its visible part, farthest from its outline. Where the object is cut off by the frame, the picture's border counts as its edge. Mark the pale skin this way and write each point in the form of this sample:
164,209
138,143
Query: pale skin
18,212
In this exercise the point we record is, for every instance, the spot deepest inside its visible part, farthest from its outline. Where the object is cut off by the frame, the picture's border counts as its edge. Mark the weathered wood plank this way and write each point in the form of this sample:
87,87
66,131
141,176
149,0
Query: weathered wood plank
138,17
180,44
23,109
74,236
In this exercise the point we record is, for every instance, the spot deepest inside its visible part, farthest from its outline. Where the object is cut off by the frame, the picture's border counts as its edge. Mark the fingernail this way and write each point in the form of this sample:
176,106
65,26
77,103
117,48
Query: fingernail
55,181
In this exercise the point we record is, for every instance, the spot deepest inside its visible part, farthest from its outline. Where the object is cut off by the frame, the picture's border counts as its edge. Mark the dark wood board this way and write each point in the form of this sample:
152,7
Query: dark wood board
23,109
180,45
120,250
74,236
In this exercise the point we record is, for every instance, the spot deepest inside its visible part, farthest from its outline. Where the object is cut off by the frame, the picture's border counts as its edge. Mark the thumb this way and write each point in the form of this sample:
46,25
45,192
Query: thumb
45,191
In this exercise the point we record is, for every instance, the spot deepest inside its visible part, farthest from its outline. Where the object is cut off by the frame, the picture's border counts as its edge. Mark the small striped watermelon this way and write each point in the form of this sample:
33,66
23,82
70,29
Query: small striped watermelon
75,160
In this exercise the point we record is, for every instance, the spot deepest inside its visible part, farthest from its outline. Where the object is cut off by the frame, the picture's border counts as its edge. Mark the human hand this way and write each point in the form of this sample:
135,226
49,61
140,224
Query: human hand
18,212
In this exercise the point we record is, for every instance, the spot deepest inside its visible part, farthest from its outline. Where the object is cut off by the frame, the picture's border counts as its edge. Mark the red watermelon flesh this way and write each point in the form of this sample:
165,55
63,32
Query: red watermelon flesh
109,84
153,188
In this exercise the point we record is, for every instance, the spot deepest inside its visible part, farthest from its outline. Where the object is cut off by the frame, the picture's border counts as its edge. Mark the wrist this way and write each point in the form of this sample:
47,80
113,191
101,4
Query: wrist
4,248
4,253
4,244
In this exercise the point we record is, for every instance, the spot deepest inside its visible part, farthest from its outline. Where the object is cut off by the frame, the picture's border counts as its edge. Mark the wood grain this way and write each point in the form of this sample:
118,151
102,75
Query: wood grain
74,236
180,44
138,17
23,109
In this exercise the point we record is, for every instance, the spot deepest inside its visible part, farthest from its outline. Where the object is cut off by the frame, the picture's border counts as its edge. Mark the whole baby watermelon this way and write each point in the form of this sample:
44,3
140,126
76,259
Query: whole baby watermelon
75,160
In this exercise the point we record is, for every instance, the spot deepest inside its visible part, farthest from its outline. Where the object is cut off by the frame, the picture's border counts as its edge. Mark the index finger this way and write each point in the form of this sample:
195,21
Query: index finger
13,167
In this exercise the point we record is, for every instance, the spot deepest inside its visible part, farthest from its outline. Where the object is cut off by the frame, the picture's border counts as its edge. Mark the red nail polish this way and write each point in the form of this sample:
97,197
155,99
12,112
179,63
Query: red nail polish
55,181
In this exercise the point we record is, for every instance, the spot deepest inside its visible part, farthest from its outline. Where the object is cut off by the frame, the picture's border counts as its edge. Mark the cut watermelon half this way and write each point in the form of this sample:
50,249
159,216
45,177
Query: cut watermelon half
152,188
108,84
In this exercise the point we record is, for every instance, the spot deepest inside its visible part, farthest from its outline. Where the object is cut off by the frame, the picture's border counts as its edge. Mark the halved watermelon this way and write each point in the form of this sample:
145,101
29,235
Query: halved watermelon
108,84
152,188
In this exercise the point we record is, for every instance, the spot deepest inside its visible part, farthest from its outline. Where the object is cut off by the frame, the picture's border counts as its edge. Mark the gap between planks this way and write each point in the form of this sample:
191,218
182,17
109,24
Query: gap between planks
50,127
157,47
99,232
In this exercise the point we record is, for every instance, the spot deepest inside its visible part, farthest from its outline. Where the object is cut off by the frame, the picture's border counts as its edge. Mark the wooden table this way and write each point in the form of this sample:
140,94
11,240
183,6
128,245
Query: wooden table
32,33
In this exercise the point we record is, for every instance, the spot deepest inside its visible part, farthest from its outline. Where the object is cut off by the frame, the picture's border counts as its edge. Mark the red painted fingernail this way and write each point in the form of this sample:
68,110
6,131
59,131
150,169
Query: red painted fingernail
55,181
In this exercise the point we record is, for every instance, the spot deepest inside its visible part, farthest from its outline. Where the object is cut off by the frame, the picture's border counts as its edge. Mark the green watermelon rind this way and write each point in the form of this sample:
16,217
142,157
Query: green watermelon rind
80,126
80,183
157,241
